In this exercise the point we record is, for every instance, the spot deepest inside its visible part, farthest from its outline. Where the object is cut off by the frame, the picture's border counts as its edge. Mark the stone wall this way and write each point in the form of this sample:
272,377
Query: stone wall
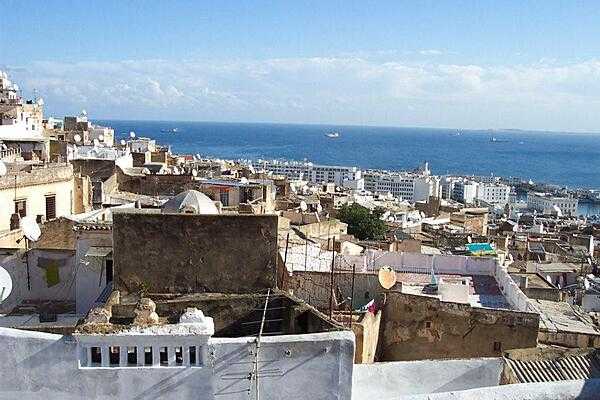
184,253
420,327
153,185
315,288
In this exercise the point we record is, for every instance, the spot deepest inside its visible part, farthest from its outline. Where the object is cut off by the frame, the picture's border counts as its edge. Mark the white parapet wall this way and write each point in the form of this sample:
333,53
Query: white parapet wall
35,365
563,390
392,380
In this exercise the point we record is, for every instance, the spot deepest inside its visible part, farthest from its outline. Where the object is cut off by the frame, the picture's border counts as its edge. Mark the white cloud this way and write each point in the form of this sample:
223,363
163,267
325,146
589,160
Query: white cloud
431,52
544,95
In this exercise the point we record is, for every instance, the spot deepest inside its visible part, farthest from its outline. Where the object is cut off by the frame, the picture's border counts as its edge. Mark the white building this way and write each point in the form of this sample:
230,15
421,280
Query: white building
18,119
350,177
142,145
410,186
464,191
103,134
493,193
40,191
547,203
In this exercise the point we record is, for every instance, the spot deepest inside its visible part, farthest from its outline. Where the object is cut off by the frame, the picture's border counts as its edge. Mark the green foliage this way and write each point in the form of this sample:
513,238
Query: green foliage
363,223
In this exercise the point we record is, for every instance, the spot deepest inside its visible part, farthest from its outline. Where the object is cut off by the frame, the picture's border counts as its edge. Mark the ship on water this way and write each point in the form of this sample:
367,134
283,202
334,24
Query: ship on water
172,130
333,135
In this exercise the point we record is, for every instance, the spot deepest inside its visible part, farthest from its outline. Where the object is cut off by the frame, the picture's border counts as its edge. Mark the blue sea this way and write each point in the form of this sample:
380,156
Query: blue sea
565,159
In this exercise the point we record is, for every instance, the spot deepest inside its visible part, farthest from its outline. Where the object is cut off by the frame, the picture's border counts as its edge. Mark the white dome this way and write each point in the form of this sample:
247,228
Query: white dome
190,202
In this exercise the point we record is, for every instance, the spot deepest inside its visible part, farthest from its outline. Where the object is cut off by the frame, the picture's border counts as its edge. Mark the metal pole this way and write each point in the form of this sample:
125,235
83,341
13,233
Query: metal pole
287,241
352,295
305,252
27,263
262,324
331,281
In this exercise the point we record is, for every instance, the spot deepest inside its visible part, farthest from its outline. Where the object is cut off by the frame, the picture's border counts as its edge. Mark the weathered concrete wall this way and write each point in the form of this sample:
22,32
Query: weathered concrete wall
153,185
366,331
315,287
184,253
45,366
90,279
419,327
393,380
324,229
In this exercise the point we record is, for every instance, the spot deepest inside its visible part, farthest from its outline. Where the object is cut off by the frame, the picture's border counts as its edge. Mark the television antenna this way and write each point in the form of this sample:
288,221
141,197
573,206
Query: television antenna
6,284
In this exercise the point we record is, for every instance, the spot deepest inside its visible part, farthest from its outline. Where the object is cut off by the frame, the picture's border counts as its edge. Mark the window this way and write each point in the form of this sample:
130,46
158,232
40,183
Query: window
164,358
224,198
96,356
132,355
114,355
192,355
148,355
50,207
21,208
109,270
497,346
178,356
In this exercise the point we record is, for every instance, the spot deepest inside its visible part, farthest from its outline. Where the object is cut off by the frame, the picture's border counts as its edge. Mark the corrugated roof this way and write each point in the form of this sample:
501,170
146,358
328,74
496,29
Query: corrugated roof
585,366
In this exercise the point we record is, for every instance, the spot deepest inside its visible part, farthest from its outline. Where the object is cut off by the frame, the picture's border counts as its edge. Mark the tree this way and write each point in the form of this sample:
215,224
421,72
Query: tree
363,223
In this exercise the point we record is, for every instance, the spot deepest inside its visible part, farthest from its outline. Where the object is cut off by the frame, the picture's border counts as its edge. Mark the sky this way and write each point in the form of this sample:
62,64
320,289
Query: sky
456,64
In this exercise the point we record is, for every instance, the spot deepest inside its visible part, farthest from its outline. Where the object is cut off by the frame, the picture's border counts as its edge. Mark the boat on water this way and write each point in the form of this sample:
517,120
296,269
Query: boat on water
494,139
172,130
333,135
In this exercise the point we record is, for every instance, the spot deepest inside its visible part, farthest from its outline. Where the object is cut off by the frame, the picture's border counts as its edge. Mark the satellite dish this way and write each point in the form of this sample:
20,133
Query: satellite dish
101,138
132,134
4,146
123,142
145,171
387,277
77,138
586,284
244,181
194,172
198,156
303,206
3,169
319,207
194,158
6,284
30,228
175,171
96,142
40,102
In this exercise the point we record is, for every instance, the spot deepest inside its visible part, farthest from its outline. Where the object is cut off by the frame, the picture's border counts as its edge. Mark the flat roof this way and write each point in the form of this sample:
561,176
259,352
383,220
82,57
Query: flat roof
483,289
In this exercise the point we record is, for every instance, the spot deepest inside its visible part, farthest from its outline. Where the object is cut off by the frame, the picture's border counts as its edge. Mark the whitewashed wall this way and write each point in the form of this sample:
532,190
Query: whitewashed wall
43,366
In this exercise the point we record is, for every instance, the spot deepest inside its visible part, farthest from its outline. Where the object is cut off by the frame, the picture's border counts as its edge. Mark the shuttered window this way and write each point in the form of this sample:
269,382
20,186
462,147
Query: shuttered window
50,207
21,208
